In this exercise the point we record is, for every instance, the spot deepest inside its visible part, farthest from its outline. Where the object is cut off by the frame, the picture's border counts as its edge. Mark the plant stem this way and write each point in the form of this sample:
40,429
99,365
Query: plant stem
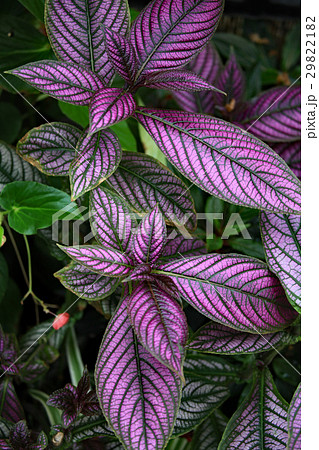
15,247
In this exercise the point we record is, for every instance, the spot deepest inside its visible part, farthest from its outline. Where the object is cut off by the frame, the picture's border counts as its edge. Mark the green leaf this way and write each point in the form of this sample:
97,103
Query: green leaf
10,307
10,122
125,135
248,247
90,427
4,276
292,49
73,356
246,52
209,433
36,7
33,205
54,415
79,114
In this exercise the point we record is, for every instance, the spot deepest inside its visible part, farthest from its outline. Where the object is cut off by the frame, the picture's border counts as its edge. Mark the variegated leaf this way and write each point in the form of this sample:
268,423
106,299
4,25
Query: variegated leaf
63,81
139,396
167,34
74,30
282,240
10,406
85,283
179,80
50,147
216,338
109,106
96,158
209,432
232,81
87,427
111,220
159,323
144,182
233,290
260,421
294,421
180,246
291,153
100,260
223,160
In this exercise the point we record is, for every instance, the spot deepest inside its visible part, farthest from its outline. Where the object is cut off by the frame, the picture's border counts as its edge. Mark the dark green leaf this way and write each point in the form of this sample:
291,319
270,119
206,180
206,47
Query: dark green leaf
209,433
89,427
36,7
248,247
4,276
10,122
292,48
79,114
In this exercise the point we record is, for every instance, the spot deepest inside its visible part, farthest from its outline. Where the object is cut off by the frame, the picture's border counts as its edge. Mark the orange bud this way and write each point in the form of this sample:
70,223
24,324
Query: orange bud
61,320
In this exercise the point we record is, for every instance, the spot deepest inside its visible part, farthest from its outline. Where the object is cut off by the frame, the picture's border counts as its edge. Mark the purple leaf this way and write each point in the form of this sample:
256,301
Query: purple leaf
84,283
294,421
232,81
8,354
111,220
100,260
223,159
50,147
150,237
216,338
207,64
262,417
274,115
282,240
10,407
159,323
121,54
233,290
96,158
109,106
20,436
291,153
75,34
178,80
180,246
167,34
66,82
155,184
139,396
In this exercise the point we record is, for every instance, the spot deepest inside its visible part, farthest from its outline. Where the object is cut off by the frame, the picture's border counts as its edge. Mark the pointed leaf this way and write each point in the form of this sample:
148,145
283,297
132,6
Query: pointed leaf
155,184
180,246
89,427
96,158
159,323
232,81
109,106
121,54
74,31
207,386
282,240
138,395
274,115
209,433
178,80
216,338
167,34
150,237
223,159
10,406
294,421
207,64
233,290
13,168
291,153
63,81
50,147
260,421
100,260
111,220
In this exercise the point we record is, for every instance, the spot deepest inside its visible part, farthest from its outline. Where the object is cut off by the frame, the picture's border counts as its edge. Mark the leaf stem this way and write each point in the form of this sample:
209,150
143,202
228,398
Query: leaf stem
15,247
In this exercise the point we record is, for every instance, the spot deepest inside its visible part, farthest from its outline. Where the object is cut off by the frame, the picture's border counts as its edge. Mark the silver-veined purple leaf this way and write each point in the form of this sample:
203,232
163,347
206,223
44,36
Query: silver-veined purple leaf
121,54
50,147
109,106
96,158
159,323
167,34
260,421
207,64
85,283
63,81
10,406
178,80
86,427
294,421
144,182
232,81
233,290
274,116
223,160
111,219
100,260
291,153
216,338
13,168
180,246
74,31
138,395
281,236
150,237
208,434
207,386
